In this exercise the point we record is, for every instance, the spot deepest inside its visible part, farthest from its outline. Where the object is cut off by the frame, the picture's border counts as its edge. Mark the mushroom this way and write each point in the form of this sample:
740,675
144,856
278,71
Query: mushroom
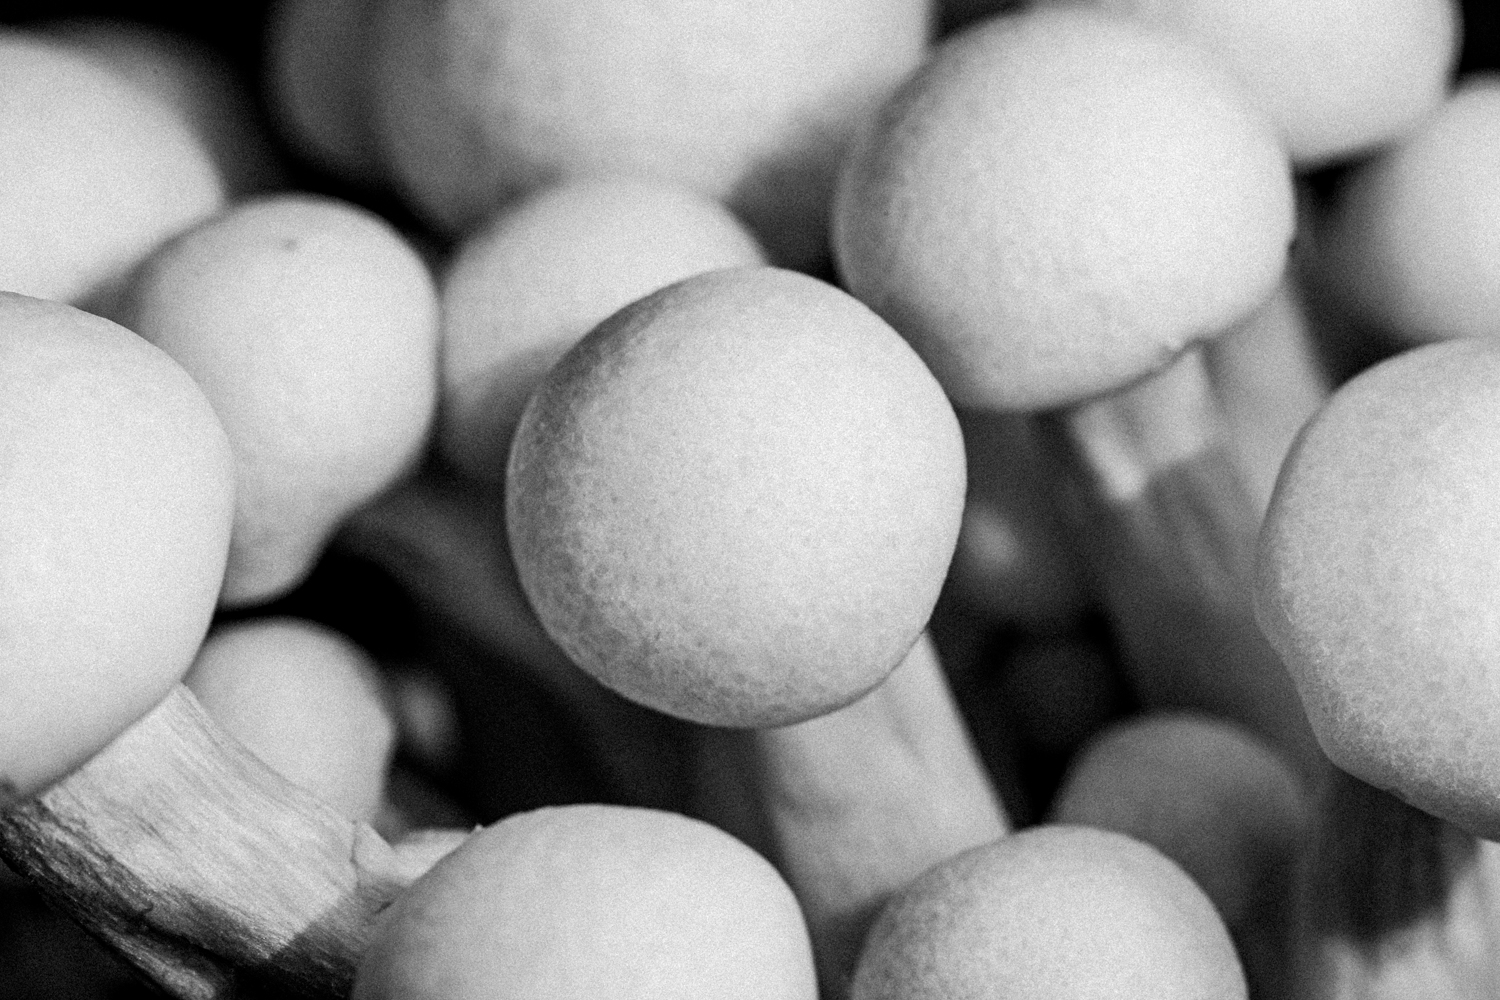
312,326
735,500
114,507
1377,580
1054,210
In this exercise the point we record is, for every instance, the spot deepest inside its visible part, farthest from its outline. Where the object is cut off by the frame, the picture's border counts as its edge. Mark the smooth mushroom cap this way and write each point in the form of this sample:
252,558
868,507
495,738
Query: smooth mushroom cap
1413,243
593,900
116,495
1337,79
312,326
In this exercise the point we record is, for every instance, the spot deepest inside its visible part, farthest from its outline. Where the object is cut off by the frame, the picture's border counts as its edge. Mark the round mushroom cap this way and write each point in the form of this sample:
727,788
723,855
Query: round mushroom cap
593,900
1379,575
1058,203
116,497
1054,912
736,499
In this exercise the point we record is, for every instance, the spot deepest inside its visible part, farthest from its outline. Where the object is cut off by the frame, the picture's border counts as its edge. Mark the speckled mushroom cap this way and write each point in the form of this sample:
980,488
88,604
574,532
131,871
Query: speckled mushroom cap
1055,912
1059,202
736,499
1379,578
542,273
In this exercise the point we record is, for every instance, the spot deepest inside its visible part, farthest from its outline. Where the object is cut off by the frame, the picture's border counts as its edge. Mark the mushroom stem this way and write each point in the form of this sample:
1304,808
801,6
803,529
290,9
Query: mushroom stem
1268,375
860,801
1171,529
202,867
1393,902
